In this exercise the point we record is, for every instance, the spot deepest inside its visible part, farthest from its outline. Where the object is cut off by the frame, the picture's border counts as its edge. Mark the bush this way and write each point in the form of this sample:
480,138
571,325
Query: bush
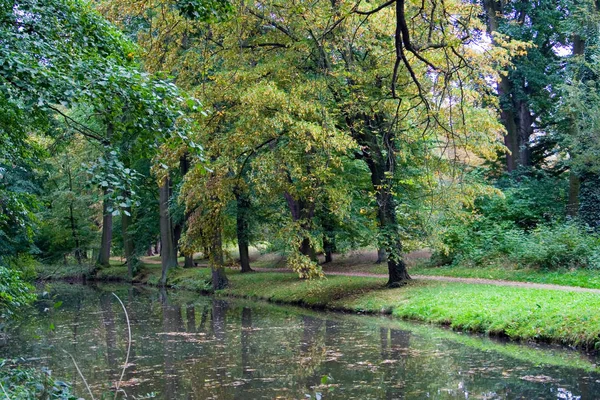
15,293
527,228
28,383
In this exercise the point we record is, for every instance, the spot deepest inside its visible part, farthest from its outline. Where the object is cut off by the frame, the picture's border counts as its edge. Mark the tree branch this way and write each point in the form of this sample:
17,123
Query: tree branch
373,11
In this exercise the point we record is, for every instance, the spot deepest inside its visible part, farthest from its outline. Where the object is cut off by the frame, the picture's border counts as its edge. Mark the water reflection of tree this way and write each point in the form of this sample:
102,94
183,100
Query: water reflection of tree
219,319
312,353
394,352
172,322
110,336
190,316
245,337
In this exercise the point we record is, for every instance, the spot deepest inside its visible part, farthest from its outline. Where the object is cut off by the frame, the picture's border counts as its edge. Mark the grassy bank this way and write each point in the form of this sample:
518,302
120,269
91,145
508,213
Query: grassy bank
519,313
418,263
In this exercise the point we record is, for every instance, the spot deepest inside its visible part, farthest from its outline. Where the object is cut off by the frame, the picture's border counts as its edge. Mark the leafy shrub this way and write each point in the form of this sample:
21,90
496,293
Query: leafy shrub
527,227
15,293
28,383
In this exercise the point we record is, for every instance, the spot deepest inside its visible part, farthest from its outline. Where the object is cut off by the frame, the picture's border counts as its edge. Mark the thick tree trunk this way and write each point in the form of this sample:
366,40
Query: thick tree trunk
243,207
105,242
397,272
188,262
328,256
386,211
168,255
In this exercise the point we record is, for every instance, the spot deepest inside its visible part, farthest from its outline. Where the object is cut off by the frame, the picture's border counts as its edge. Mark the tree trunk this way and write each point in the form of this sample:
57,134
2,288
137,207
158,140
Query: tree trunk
381,255
515,114
329,245
574,189
243,206
328,256
397,272
128,242
107,222
219,279
78,251
386,210
168,254
189,262
302,212
574,180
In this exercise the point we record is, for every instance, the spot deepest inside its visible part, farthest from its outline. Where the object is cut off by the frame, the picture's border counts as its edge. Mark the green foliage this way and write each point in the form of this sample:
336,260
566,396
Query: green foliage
29,383
525,227
15,293
589,203
204,10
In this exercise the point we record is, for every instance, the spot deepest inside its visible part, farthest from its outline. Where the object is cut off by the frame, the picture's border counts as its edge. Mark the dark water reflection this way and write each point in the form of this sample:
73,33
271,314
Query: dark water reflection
191,347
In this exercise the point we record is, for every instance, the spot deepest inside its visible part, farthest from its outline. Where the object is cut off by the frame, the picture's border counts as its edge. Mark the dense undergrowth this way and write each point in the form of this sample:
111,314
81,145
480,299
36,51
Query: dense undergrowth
526,226
19,383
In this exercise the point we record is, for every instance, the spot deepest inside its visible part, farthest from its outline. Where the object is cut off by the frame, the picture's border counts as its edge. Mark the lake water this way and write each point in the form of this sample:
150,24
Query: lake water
187,346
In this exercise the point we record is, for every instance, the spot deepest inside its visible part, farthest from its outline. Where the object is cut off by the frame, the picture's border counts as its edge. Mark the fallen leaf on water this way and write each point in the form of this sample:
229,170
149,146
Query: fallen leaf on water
538,378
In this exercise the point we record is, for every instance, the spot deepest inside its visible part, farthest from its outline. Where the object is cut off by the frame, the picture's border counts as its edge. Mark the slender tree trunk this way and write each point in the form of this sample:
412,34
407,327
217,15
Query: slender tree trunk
219,279
243,206
302,212
74,233
328,248
184,166
107,221
381,255
574,191
107,224
168,254
329,244
574,180
515,115
128,242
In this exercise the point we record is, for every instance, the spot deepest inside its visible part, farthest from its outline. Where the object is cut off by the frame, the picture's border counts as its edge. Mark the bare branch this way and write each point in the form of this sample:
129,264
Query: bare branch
373,11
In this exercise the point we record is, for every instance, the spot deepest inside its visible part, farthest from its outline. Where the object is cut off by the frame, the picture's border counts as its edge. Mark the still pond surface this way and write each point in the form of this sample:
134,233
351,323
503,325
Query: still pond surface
186,346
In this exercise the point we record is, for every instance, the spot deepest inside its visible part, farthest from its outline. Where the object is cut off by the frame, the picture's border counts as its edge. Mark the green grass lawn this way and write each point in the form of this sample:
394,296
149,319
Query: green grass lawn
519,313
581,277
